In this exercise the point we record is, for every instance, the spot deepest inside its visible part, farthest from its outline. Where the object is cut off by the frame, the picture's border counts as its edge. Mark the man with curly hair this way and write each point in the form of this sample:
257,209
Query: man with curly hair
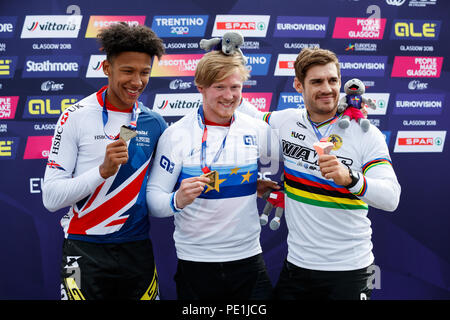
99,166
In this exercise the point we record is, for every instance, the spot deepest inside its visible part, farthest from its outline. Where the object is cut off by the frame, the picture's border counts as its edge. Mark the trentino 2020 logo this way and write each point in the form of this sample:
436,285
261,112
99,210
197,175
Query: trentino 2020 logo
180,26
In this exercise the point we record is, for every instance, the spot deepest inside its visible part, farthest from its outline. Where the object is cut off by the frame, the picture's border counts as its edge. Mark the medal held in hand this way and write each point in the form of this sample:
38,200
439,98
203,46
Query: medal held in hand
213,179
127,133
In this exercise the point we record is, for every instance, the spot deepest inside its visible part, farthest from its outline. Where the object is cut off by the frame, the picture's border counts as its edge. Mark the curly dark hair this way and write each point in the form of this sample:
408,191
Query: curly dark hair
121,37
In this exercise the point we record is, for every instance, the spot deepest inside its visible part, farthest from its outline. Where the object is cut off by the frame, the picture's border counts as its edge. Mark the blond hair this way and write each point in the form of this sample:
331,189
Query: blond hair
215,66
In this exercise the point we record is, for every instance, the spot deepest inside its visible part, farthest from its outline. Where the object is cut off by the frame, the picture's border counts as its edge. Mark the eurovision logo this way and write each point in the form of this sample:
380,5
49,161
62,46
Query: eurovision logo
429,104
362,66
301,27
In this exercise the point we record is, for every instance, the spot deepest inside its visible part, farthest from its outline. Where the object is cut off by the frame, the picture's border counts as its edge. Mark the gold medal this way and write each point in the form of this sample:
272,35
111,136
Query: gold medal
213,179
127,133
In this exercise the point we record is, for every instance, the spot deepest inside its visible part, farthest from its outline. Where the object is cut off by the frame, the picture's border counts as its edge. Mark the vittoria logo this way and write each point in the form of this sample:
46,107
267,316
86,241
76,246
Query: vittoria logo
176,104
62,26
95,66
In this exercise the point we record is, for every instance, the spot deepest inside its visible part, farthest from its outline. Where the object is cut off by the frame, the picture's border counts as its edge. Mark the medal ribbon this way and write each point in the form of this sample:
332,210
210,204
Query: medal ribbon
201,120
133,122
315,127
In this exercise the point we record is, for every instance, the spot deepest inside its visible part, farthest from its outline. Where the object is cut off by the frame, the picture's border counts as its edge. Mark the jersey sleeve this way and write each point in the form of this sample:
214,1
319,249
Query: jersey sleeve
60,189
378,185
164,174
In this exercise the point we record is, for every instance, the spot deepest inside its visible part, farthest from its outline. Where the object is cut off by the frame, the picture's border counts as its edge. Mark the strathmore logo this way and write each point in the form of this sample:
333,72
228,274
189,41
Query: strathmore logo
420,141
62,26
247,25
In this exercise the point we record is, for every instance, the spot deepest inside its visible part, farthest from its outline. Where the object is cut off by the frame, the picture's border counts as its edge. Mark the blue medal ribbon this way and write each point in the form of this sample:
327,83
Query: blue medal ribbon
315,127
133,122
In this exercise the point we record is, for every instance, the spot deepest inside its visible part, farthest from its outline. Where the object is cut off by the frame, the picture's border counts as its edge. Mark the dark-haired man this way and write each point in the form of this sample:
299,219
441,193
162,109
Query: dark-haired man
98,166
328,195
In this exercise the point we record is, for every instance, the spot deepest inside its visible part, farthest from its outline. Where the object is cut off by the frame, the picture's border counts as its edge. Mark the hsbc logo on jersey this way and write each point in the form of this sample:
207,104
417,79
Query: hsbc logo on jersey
420,141
247,25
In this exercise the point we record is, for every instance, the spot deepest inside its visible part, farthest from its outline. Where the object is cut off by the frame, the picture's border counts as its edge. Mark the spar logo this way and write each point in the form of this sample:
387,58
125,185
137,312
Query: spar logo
285,65
247,25
7,67
37,147
98,22
419,104
292,100
180,26
258,64
417,67
362,66
7,26
416,30
51,67
95,66
261,100
8,107
420,141
175,65
48,107
8,148
301,27
175,104
359,28
62,26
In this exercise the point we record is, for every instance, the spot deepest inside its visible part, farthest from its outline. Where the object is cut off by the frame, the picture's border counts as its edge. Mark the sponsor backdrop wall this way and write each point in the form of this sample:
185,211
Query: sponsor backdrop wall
49,59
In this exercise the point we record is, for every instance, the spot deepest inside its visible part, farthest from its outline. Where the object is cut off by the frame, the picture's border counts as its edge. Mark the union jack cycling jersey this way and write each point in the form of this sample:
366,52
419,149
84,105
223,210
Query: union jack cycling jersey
101,210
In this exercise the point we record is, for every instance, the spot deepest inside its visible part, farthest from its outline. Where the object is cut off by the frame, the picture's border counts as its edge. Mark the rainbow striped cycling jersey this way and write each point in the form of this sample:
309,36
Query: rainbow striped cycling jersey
328,224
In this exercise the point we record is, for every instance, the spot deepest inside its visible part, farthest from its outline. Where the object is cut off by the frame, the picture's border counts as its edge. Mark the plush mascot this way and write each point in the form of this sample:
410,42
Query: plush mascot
274,199
351,104
228,44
